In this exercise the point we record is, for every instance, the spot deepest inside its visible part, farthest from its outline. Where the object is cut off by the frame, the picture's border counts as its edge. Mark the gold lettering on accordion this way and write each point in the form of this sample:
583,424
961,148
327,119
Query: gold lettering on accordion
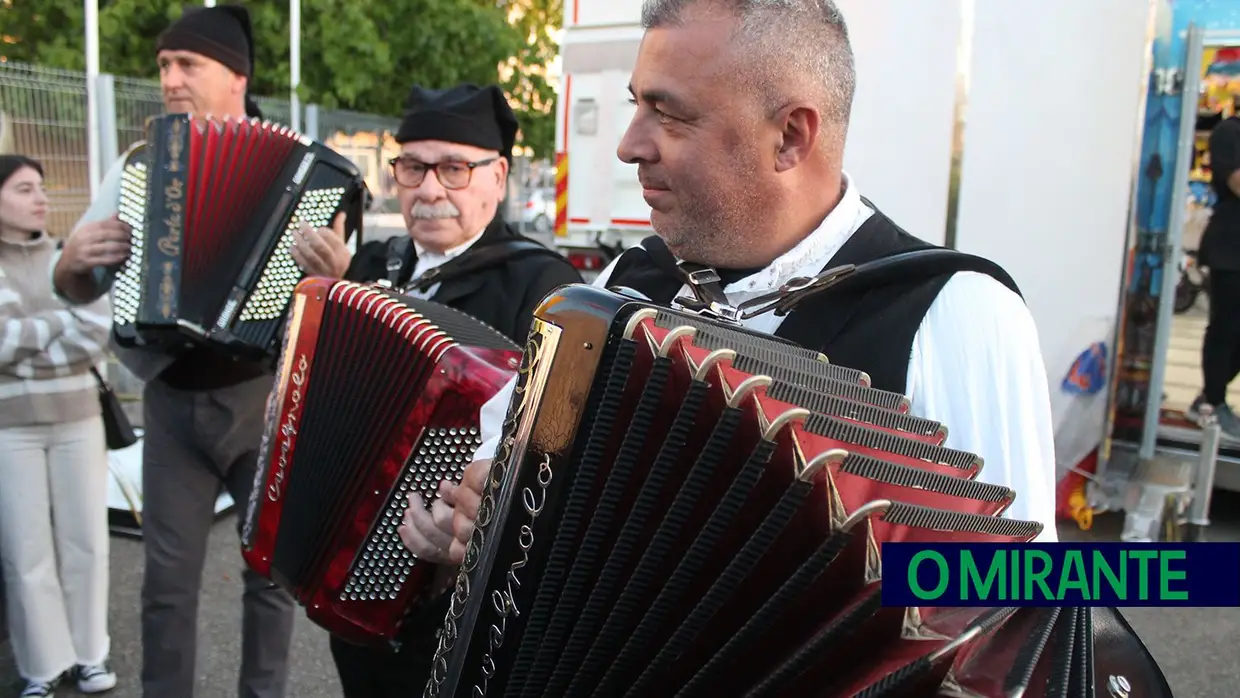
170,243
167,289
502,601
288,430
175,146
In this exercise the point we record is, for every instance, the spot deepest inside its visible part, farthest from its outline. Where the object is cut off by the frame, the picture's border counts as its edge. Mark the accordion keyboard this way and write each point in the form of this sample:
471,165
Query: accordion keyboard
385,563
281,273
127,288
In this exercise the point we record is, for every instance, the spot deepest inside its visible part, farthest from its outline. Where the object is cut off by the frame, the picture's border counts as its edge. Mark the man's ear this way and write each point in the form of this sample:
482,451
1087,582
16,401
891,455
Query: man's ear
501,170
800,125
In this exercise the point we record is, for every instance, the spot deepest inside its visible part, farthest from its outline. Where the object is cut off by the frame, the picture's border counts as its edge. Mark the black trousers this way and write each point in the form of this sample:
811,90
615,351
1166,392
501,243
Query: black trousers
376,673
1220,351
367,672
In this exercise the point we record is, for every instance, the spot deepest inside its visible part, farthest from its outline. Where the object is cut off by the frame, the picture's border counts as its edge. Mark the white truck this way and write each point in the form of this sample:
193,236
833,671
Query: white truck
598,200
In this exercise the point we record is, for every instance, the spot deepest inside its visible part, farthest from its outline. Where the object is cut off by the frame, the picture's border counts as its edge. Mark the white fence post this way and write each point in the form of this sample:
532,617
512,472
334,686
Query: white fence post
105,100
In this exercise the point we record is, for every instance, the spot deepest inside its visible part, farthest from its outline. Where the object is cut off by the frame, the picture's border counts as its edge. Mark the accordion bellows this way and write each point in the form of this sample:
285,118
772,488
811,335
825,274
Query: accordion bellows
214,206
684,508
377,396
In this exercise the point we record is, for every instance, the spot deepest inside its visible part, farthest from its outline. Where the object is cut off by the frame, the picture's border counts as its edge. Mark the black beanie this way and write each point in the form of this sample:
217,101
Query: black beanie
222,33
466,114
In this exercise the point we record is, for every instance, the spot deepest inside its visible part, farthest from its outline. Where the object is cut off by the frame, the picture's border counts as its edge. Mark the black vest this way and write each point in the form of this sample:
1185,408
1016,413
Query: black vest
871,330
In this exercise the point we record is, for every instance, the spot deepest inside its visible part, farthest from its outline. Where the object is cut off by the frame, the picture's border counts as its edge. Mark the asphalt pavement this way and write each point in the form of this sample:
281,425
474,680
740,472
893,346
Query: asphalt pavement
1196,647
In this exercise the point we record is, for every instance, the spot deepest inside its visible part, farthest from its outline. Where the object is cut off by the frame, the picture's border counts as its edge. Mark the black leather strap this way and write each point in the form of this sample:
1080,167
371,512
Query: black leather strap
476,260
399,255
704,281
901,268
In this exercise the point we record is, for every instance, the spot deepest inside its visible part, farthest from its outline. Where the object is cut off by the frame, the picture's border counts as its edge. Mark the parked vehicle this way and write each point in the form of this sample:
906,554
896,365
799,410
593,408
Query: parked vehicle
538,211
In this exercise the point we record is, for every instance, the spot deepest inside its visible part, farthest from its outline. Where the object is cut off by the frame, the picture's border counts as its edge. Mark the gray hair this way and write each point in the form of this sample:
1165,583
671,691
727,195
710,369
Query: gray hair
790,37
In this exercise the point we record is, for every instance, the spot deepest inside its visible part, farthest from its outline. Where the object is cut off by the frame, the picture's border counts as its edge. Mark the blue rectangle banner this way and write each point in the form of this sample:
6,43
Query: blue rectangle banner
1061,574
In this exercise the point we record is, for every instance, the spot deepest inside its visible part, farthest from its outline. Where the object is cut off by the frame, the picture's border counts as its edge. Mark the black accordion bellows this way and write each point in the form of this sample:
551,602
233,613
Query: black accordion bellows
215,206
683,508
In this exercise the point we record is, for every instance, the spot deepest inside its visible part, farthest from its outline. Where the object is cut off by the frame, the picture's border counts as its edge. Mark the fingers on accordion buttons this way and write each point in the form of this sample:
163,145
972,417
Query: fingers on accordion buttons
425,536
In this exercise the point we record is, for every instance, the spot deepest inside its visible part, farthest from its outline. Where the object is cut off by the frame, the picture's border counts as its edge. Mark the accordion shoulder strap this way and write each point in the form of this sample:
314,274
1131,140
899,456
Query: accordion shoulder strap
478,259
705,282
399,254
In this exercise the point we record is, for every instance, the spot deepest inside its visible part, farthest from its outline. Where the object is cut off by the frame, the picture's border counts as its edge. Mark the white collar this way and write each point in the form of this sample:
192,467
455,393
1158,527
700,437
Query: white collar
424,253
812,253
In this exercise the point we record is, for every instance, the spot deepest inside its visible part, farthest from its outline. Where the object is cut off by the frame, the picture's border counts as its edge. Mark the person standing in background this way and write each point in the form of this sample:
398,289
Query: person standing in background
53,456
1220,252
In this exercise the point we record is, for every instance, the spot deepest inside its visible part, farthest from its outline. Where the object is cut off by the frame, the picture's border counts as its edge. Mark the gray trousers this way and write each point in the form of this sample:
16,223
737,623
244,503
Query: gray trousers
195,444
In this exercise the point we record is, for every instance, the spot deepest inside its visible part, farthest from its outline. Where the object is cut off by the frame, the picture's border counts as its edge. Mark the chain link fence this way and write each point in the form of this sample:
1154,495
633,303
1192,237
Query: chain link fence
44,114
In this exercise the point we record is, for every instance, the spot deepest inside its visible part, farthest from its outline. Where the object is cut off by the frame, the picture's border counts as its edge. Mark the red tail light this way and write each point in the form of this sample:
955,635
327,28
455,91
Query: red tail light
586,261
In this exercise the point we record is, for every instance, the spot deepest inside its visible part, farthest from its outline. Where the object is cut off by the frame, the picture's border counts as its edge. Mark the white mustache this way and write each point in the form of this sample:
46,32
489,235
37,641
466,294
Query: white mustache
424,211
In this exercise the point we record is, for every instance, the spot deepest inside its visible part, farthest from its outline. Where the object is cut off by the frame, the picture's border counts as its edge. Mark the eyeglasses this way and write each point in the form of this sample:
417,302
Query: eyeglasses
452,174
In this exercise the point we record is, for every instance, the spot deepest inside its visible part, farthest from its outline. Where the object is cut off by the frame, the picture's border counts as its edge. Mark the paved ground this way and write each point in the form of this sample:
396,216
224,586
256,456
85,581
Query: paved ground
1196,647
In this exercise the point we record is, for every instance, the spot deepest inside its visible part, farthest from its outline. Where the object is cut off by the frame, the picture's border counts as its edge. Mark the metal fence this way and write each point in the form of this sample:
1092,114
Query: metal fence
44,115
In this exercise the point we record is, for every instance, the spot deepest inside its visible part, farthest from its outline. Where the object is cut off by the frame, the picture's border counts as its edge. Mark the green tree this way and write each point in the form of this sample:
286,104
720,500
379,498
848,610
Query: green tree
537,23
361,55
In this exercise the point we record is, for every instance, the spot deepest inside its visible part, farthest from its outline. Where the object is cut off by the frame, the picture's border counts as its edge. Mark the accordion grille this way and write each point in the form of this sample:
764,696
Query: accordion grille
384,563
351,418
281,273
131,208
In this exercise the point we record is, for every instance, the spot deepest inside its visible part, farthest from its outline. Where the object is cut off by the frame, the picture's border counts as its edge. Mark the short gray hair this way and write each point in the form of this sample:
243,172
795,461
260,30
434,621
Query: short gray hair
805,36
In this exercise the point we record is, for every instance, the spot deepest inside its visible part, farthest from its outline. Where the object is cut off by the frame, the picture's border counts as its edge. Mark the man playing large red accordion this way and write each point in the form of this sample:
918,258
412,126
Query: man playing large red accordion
741,119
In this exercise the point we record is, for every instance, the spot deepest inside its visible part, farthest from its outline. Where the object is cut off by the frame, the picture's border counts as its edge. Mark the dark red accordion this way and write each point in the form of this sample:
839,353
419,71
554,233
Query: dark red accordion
680,507
377,396
215,206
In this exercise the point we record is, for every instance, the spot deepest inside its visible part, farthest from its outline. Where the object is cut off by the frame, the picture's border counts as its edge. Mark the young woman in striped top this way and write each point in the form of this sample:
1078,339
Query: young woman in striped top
53,457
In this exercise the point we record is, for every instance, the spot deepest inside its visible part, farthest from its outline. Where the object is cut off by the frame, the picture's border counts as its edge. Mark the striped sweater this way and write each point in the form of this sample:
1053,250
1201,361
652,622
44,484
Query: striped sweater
46,350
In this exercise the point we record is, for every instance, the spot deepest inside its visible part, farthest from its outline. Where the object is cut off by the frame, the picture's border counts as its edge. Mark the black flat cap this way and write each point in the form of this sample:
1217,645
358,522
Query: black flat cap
466,114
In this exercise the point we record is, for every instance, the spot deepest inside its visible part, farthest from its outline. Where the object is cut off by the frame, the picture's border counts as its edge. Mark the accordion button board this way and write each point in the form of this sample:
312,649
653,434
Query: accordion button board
681,507
215,206
376,398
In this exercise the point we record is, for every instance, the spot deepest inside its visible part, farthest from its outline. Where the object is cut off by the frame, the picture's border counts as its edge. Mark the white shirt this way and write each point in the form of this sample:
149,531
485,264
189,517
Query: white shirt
429,259
976,366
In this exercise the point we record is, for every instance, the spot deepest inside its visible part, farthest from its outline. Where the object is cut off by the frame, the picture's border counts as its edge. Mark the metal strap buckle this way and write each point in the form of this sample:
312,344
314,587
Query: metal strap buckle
698,277
793,292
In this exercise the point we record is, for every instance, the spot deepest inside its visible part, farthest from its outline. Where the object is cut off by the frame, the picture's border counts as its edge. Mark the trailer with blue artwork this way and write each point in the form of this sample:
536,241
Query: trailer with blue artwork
1156,460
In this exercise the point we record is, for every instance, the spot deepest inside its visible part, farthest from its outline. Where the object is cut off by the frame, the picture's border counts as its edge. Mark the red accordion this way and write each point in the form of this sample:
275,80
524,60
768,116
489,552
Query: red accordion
215,206
377,396
708,519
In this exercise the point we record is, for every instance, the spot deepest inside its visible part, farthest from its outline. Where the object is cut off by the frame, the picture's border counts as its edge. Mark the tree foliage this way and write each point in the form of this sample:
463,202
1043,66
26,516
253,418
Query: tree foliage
362,55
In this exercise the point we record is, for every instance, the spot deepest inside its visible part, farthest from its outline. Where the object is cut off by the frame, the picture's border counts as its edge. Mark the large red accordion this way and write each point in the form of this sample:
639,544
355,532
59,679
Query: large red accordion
680,507
377,396
215,206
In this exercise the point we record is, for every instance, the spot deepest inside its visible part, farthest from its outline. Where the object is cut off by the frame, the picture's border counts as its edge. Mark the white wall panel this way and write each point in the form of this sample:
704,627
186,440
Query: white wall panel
899,143
1049,146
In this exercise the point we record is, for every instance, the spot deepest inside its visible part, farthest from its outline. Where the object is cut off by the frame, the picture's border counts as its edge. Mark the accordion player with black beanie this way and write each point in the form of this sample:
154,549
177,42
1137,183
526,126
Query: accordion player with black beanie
203,412
451,175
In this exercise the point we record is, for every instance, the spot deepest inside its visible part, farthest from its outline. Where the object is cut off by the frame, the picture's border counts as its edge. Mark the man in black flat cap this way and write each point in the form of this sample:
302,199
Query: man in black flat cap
203,412
452,173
